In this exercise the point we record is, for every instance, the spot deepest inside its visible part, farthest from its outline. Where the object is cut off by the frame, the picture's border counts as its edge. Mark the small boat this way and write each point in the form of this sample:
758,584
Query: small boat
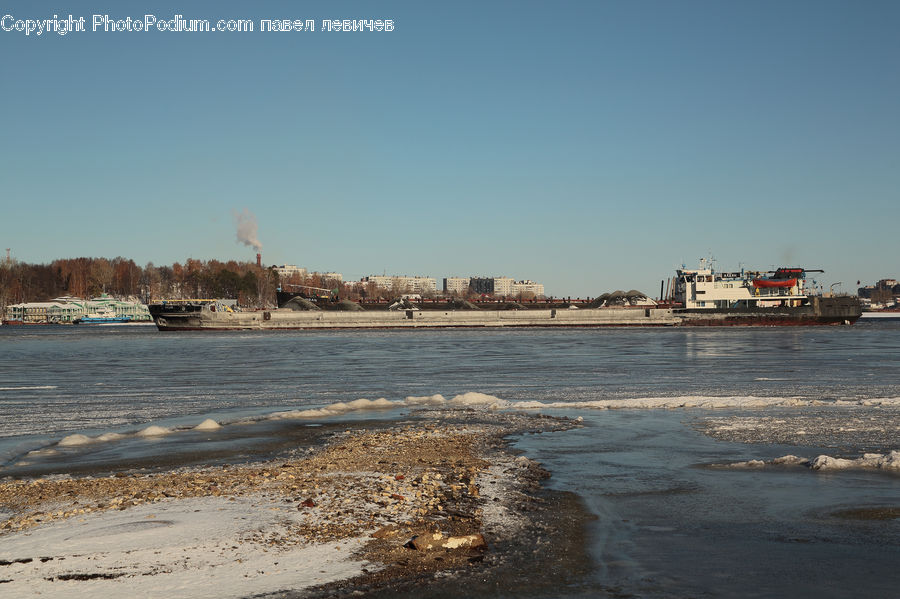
102,316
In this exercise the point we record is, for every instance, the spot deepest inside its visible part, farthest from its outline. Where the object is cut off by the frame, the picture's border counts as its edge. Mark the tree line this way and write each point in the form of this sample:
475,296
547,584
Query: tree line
249,284
120,277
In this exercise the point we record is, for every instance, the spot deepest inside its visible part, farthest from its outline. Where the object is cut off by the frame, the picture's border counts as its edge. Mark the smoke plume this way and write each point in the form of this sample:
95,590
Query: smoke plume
247,229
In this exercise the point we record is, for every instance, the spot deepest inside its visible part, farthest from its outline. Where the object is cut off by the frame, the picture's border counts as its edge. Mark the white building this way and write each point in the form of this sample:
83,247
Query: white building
62,310
456,285
527,287
503,286
404,284
286,271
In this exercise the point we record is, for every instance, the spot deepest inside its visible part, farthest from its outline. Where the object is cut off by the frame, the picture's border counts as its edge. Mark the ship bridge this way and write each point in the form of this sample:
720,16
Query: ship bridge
704,288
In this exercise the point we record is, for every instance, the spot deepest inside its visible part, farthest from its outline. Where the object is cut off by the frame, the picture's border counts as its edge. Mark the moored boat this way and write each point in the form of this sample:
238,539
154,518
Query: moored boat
773,298
701,297
102,316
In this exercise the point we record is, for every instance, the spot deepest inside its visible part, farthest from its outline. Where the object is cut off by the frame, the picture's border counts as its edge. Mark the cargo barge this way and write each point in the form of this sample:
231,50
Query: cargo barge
700,297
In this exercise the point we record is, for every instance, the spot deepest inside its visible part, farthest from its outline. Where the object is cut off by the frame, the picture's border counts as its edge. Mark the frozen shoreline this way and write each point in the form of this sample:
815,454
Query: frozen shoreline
343,512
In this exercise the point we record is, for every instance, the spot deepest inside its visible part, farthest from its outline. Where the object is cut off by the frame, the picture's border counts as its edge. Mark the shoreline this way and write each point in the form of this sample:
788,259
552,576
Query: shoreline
373,510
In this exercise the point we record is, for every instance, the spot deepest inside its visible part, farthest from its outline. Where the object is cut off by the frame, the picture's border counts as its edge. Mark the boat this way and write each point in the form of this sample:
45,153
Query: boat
705,297
700,297
102,315
886,313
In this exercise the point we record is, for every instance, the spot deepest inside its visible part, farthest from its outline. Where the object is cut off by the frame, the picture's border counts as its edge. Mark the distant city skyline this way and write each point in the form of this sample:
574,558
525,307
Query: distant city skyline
588,145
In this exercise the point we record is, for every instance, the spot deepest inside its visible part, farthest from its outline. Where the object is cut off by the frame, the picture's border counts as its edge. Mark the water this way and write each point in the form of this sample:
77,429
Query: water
669,525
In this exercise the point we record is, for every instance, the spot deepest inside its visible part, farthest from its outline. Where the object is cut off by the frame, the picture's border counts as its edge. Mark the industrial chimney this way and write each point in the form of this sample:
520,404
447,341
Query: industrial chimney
259,260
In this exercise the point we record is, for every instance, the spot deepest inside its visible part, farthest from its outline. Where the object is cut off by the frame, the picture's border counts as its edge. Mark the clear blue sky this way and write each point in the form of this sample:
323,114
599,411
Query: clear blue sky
590,146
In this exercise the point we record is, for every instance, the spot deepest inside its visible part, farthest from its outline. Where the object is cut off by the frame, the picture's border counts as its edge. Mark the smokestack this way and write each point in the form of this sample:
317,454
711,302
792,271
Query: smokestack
258,260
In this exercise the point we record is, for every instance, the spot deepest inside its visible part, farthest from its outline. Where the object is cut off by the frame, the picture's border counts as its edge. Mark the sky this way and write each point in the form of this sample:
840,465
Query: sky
589,146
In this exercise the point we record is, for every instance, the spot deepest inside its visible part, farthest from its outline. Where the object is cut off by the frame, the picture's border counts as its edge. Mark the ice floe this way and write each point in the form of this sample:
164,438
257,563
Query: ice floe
337,409
31,388
153,431
72,440
208,425
479,400
868,461
877,461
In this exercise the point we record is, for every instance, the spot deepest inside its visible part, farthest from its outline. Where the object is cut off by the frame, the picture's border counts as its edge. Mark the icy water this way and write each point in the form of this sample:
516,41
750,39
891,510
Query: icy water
677,514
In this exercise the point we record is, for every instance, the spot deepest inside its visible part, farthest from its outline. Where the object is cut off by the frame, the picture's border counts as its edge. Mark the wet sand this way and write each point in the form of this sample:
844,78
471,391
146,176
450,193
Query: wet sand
422,504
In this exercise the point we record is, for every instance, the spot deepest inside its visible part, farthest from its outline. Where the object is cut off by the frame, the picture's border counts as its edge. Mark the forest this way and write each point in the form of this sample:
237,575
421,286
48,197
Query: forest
120,277
251,285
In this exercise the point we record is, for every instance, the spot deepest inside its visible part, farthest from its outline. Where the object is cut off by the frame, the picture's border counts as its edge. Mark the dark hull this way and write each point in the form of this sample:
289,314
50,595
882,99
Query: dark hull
190,317
820,311
183,316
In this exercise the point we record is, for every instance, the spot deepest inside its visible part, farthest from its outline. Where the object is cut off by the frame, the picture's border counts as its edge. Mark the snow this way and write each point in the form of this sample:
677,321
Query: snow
74,440
473,399
470,399
208,425
153,431
337,409
877,461
868,461
427,400
486,401
194,548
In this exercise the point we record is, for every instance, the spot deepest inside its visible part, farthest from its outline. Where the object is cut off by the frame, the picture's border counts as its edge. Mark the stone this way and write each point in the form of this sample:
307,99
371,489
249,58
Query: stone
475,541
425,542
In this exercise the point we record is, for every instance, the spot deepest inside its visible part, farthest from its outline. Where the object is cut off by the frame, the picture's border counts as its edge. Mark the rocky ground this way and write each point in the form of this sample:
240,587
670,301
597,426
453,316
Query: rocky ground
432,498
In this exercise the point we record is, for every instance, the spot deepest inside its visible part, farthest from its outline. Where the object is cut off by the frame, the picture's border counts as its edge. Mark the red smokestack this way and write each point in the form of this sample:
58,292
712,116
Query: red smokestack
259,260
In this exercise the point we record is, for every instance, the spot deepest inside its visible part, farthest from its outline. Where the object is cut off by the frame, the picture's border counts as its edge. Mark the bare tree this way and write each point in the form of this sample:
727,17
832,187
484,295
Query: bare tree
101,275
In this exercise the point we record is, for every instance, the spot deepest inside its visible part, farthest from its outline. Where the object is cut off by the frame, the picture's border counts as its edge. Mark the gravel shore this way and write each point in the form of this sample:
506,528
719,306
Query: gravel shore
369,512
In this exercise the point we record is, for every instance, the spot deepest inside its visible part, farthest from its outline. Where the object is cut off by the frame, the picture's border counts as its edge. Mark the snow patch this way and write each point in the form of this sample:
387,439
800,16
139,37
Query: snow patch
33,388
208,425
473,399
877,461
191,548
337,409
693,401
868,461
153,431
427,400
75,440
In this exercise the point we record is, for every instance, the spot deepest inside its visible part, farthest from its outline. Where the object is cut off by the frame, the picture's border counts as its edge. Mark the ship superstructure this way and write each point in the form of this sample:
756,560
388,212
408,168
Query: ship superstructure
704,288
769,298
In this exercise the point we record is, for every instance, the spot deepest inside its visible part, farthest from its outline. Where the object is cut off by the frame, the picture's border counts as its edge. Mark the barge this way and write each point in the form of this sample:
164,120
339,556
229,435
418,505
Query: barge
700,297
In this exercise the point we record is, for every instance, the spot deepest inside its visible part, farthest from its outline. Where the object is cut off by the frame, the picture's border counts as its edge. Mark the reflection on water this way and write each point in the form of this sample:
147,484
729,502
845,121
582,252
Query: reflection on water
722,343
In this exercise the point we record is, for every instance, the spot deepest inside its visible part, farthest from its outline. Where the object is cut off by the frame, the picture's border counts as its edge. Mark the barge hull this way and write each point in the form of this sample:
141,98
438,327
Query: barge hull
828,311
411,319
820,311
